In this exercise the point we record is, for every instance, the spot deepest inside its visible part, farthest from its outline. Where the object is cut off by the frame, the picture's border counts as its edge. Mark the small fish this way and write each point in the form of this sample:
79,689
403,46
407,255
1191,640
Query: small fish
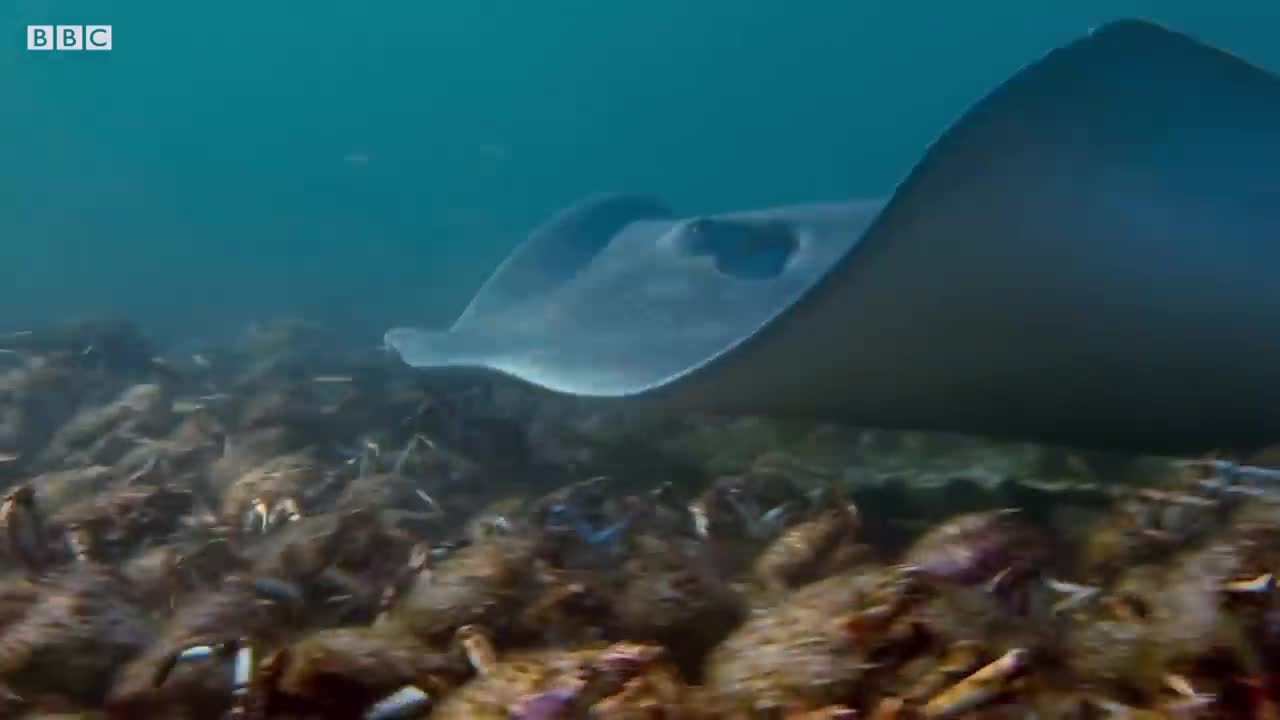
1175,498
331,379
428,500
8,457
186,407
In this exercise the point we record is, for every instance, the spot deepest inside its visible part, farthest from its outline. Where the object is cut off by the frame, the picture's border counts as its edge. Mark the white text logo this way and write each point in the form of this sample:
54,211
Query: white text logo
68,37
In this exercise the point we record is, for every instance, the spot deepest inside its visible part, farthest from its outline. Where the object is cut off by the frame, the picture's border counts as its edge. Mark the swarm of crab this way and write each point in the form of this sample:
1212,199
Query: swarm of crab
274,530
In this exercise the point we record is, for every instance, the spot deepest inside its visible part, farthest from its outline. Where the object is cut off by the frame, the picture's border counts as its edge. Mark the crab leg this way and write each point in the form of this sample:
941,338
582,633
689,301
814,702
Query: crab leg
979,688
241,680
406,702
24,528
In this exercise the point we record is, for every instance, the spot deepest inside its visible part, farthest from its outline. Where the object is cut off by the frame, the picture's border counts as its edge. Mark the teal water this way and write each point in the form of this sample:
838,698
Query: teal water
367,164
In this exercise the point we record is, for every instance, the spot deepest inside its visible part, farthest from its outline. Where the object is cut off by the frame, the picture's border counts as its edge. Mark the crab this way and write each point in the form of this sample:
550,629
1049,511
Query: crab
745,508
270,494
68,632
334,673
357,669
24,530
164,575
1196,499
498,518
291,581
398,500
107,526
669,591
339,560
172,673
996,549
1201,611
811,549
112,524
181,456
491,583
59,488
815,648
103,434
618,680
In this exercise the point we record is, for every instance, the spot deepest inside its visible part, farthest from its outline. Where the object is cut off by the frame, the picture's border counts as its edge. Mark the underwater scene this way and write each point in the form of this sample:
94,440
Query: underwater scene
515,361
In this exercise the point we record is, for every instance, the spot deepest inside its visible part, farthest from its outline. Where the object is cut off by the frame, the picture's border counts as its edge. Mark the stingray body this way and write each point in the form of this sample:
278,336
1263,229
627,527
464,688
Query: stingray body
1087,256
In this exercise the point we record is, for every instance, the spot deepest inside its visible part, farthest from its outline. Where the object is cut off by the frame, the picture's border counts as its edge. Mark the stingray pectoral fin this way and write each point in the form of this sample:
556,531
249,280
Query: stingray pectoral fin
1087,255
426,348
556,251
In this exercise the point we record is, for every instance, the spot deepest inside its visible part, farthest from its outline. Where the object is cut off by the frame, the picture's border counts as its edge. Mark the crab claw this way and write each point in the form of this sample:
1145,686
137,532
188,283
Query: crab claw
287,510
407,702
242,668
257,516
1076,595
264,515
241,678
627,658
192,653
478,648
979,688
24,528
80,542
830,712
610,672
1259,585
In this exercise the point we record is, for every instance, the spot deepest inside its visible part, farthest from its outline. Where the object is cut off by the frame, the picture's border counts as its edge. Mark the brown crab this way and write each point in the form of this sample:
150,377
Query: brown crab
290,581
1199,615
338,559
164,575
817,647
103,434
173,674
746,508
484,583
621,680
111,525
265,498
811,549
334,674
668,591
997,550
25,534
68,632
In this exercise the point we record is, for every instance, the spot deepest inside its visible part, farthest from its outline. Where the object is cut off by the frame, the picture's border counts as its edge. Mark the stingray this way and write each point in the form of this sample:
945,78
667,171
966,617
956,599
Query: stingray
1087,256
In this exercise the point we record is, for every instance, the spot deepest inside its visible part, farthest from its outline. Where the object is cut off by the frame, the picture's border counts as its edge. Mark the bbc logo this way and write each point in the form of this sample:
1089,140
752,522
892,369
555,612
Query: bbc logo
68,37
